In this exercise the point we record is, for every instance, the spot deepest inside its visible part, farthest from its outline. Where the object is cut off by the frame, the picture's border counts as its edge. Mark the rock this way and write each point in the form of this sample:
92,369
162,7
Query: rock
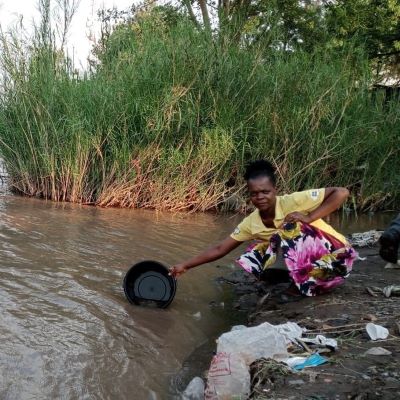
247,302
195,390
296,382
197,315
377,351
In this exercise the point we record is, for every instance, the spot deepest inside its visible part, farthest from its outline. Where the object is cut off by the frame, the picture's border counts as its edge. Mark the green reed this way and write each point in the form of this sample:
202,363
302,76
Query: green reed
168,118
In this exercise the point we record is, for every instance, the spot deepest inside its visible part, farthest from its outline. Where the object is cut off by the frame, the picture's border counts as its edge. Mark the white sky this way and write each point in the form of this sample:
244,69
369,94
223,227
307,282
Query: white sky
83,23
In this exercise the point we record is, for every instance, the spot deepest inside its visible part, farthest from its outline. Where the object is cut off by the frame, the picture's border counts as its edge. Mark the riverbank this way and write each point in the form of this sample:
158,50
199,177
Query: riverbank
343,315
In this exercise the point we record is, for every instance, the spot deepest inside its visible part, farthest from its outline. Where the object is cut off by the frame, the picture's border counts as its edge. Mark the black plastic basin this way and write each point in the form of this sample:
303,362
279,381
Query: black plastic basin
148,283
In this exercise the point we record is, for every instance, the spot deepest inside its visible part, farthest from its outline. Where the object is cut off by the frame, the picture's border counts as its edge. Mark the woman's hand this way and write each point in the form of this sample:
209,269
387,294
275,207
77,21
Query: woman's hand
298,217
177,270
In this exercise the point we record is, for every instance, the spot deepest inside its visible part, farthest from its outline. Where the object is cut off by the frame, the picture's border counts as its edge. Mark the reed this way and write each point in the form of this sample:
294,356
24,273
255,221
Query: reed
168,118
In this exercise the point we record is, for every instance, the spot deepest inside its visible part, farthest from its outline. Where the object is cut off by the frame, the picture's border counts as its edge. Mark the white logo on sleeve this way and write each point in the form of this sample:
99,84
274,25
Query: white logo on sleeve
314,194
236,231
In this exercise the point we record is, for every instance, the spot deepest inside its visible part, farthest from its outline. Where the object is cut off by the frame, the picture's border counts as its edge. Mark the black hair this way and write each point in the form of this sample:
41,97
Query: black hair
258,168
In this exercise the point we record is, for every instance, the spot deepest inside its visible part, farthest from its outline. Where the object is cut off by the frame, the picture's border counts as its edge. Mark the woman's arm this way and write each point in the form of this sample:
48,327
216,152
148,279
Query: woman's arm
211,254
333,199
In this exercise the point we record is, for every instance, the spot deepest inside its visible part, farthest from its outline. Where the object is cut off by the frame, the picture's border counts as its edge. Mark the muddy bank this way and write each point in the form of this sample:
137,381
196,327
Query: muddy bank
342,314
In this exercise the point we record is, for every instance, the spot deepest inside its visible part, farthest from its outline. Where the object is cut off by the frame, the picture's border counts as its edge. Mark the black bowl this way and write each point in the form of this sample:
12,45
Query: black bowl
148,283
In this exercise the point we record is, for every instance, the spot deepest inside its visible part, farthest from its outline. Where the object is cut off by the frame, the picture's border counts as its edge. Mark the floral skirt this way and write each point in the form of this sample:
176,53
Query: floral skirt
316,261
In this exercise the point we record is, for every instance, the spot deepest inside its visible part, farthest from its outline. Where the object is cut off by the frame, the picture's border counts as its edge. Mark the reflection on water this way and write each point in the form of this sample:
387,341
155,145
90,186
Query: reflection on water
67,330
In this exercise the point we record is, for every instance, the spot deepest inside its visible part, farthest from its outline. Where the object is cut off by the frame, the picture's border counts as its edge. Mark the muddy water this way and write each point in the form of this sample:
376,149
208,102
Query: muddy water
66,328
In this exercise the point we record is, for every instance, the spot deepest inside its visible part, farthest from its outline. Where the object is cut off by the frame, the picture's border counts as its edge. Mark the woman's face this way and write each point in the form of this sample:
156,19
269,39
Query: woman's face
262,193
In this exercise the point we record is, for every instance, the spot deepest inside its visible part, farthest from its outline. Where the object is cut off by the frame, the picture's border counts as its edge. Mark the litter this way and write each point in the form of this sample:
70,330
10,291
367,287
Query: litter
376,332
391,290
393,266
312,361
365,239
229,376
321,340
195,390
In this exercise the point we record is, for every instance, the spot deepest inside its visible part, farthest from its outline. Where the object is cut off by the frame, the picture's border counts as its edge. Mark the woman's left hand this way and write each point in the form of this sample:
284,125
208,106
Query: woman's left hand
298,217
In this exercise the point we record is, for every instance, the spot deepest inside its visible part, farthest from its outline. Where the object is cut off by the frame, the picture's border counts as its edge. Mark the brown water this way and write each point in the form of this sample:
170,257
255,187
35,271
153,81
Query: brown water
67,330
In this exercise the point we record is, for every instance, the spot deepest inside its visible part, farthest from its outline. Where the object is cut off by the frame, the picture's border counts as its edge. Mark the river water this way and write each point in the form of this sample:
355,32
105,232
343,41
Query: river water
67,331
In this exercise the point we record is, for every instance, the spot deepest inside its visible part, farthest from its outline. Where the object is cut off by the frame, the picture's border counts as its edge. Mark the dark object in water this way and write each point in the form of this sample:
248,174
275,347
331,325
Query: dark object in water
149,283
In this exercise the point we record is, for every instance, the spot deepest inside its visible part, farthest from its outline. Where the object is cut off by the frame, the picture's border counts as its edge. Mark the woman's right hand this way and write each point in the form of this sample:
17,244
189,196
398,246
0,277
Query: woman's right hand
177,270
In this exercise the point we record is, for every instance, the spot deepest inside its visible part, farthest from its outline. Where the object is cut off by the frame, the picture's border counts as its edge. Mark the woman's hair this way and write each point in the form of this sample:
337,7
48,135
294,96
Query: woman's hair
258,168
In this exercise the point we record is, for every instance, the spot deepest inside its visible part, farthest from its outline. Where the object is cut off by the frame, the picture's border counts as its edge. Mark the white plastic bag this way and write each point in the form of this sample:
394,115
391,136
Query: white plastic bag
376,332
254,343
227,377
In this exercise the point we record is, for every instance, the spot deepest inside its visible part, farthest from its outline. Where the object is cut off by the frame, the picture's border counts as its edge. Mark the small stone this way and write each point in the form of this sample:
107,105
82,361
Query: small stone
197,315
296,382
377,351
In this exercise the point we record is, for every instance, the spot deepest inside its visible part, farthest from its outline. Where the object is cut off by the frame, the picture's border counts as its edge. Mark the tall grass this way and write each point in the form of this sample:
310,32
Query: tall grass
168,119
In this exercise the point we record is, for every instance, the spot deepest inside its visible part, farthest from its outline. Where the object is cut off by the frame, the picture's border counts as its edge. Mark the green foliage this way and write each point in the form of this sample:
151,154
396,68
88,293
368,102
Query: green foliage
168,118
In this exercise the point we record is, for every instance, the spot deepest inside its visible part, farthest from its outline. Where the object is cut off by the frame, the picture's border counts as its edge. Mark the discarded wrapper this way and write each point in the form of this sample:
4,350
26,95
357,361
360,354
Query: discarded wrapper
299,363
393,266
321,340
376,332
391,290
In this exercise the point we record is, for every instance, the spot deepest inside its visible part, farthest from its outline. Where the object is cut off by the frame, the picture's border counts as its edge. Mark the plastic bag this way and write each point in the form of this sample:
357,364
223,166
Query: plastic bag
227,377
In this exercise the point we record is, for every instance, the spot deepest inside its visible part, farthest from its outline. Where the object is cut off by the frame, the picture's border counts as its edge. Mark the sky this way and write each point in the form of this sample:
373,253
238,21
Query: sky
83,24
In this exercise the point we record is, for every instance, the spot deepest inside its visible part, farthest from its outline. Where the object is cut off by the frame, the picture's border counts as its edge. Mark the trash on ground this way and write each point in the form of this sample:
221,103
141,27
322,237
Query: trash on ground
229,374
321,340
312,361
387,291
393,266
376,332
378,351
365,239
227,377
391,290
195,390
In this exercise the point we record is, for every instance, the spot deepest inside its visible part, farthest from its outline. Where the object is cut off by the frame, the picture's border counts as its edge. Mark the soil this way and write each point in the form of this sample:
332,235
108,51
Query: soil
341,314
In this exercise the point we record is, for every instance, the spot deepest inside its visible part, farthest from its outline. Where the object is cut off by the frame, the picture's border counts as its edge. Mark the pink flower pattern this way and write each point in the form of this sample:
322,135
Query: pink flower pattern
316,262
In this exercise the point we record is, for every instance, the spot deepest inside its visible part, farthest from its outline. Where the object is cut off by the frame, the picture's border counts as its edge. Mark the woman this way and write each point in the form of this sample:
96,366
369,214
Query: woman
318,258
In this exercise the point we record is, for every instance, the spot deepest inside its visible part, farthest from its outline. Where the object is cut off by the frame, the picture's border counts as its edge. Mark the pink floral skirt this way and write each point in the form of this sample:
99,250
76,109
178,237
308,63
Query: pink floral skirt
316,261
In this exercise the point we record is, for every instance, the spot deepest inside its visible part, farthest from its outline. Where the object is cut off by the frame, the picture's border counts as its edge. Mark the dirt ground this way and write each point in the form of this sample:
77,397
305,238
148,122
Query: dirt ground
341,314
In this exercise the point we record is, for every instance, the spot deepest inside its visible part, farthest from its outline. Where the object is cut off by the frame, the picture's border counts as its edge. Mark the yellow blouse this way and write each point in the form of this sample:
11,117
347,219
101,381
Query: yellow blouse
252,226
